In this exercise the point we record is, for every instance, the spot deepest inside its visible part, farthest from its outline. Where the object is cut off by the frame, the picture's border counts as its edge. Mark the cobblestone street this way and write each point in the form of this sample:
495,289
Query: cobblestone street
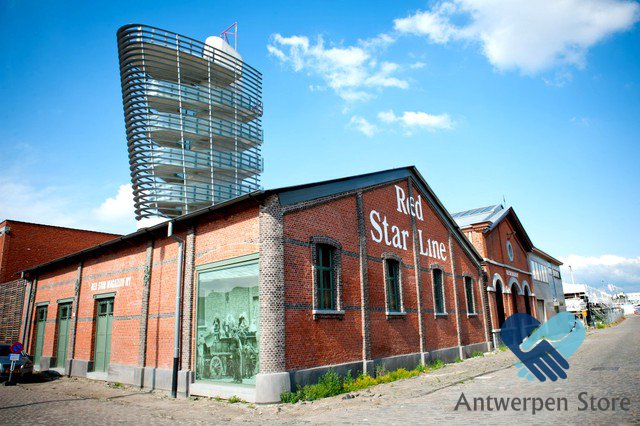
606,365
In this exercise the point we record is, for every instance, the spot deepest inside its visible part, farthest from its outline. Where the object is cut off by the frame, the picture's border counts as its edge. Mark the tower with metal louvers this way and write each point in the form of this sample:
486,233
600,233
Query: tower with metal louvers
193,121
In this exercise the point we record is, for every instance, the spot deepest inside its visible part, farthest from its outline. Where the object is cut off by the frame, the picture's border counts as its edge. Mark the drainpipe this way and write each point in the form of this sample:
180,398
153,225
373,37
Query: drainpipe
26,308
176,329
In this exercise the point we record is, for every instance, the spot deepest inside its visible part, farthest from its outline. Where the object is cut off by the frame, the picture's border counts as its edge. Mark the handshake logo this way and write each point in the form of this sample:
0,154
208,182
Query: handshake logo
543,349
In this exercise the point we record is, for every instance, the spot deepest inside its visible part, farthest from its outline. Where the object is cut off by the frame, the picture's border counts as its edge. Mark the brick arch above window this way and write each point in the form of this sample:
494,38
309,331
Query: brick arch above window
389,255
497,278
513,281
436,266
322,239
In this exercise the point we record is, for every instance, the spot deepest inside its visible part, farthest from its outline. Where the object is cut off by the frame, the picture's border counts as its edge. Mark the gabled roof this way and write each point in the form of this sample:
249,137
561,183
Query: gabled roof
299,193
289,195
492,216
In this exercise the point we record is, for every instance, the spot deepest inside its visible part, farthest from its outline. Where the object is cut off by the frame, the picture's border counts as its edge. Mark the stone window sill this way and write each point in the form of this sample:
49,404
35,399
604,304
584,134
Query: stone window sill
441,315
394,315
475,314
325,313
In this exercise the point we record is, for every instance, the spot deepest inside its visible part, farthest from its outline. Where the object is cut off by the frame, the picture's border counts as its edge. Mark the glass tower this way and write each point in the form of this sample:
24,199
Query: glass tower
193,121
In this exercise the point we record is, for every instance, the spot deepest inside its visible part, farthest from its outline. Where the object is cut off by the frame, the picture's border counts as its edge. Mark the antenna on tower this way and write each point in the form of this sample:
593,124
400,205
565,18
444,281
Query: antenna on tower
231,31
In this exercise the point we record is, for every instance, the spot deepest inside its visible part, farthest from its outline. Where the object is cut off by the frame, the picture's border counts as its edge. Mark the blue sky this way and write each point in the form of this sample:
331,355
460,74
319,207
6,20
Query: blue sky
534,103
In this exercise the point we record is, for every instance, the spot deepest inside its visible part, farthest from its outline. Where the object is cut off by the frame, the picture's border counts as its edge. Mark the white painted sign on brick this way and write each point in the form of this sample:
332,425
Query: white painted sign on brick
111,284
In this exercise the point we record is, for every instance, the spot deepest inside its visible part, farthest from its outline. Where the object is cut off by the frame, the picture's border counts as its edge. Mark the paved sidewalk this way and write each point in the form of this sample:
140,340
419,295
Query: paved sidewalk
608,363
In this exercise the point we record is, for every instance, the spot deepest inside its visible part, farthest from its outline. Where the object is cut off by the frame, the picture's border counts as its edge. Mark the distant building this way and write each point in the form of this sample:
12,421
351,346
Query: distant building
503,243
23,245
591,304
193,119
548,283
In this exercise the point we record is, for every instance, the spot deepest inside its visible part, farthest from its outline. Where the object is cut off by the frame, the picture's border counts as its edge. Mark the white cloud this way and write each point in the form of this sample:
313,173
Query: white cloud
417,119
118,208
363,126
65,206
351,71
594,270
531,36
434,24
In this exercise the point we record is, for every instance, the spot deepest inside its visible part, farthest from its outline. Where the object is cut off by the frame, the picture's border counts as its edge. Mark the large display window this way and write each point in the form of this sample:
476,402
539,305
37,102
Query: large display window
228,321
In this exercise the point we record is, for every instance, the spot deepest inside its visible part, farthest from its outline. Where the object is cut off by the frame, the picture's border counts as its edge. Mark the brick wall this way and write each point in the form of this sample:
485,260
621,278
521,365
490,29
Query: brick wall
26,245
29,244
141,335
336,339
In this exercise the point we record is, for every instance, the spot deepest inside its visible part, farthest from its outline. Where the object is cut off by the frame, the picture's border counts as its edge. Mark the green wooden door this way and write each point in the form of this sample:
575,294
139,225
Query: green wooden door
104,319
41,322
64,319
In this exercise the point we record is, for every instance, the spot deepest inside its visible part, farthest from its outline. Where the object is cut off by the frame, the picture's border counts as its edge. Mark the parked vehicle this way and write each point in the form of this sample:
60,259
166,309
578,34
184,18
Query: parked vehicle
22,367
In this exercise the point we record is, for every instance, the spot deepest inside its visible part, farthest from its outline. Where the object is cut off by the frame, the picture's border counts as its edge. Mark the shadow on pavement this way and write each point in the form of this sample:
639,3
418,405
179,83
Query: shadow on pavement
40,377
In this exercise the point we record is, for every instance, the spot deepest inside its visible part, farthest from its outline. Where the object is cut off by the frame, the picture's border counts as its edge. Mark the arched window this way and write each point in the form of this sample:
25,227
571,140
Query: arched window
514,298
499,303
527,300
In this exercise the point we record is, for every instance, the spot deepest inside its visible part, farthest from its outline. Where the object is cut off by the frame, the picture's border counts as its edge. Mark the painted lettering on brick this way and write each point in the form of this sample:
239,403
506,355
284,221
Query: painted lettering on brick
393,236
111,284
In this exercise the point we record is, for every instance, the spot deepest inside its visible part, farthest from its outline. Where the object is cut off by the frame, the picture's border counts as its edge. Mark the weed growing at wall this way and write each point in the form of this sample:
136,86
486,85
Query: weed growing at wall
331,383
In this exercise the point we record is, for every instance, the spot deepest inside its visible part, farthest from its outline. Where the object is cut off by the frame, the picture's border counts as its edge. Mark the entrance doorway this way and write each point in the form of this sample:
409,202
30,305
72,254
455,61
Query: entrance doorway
542,313
64,319
104,320
41,323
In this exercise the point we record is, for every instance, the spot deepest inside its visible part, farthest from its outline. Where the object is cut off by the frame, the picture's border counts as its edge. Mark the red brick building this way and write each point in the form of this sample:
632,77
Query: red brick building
275,288
499,237
23,245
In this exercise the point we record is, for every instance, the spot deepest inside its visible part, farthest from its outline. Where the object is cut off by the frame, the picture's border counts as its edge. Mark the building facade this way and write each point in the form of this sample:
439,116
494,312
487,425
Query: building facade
275,287
503,244
23,245
548,283
193,120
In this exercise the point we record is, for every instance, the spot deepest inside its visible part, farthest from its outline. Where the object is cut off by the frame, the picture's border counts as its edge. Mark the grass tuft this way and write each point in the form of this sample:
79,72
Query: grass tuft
331,383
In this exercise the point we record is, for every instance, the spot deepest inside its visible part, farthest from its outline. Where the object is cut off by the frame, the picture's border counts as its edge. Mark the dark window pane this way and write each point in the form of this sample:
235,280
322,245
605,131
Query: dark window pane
438,291
325,277
324,256
393,285
469,287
